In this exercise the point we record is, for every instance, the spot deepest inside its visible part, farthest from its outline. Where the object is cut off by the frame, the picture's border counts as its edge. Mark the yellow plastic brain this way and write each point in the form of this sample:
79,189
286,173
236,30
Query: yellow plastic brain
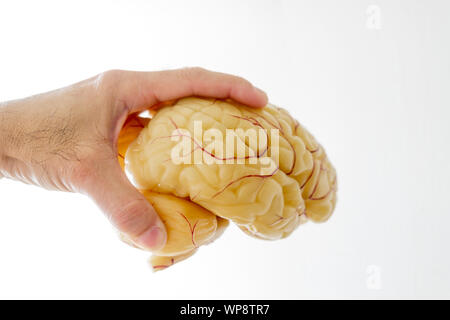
204,162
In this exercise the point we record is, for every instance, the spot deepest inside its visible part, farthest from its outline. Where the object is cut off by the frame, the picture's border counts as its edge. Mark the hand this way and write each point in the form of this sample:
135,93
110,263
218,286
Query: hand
66,139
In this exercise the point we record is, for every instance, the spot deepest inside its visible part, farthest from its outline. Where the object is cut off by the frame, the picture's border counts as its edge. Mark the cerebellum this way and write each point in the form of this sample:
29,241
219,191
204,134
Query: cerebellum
267,188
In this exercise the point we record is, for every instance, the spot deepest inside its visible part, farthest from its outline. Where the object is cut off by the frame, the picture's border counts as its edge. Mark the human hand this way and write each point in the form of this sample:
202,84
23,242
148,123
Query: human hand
67,139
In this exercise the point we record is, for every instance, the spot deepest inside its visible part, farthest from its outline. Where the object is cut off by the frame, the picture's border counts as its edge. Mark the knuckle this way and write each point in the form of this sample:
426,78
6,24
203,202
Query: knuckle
81,176
132,218
197,70
112,73
242,81
192,72
109,78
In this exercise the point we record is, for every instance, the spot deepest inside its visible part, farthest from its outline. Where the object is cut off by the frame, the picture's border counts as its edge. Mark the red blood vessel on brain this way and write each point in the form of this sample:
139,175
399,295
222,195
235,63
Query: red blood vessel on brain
203,163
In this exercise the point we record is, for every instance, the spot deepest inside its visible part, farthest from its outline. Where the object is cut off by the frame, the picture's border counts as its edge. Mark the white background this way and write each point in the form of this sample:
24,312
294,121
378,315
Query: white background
371,83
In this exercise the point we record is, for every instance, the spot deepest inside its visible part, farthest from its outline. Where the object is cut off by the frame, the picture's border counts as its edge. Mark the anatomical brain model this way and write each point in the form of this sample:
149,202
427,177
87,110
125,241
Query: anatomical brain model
203,163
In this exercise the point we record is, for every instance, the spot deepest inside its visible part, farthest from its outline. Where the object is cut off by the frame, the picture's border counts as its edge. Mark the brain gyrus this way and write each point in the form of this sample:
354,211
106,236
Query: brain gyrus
203,163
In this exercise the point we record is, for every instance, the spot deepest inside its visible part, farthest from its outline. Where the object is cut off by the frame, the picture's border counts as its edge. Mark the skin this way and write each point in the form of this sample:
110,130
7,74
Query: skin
66,139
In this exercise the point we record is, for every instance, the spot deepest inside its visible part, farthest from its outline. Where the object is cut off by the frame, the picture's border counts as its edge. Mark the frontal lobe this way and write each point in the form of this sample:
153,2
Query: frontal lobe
266,199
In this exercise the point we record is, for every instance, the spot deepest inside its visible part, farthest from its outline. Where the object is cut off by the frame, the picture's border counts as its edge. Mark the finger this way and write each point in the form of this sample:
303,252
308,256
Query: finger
128,210
144,89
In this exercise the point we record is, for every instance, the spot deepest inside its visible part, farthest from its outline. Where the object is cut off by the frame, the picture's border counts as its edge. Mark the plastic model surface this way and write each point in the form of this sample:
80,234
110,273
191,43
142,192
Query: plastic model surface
203,163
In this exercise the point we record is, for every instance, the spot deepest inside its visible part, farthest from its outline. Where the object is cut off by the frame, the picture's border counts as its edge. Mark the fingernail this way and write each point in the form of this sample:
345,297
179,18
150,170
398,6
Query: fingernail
153,239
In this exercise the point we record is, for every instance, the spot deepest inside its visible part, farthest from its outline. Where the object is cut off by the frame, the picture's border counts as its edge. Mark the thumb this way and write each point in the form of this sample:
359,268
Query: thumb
127,209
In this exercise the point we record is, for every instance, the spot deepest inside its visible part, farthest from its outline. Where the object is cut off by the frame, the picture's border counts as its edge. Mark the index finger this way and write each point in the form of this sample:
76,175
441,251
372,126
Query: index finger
145,89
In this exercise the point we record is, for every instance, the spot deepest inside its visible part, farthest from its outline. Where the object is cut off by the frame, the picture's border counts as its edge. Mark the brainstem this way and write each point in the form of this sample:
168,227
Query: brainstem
267,203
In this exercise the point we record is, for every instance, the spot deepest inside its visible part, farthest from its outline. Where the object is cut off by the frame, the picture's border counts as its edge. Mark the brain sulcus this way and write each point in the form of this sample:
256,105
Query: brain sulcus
203,163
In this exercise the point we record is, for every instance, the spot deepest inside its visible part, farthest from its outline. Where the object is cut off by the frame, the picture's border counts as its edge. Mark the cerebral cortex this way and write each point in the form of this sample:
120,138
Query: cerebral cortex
205,163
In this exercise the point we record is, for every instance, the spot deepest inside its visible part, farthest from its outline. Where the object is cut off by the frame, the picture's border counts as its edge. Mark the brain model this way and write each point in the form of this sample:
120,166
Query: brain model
203,163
